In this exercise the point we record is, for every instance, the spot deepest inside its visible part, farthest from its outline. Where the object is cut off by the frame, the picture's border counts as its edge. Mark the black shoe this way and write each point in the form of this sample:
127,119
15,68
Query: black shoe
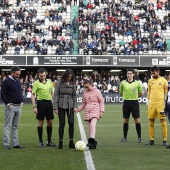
151,142
41,144
51,144
168,147
60,146
7,148
123,140
165,143
71,145
18,146
92,143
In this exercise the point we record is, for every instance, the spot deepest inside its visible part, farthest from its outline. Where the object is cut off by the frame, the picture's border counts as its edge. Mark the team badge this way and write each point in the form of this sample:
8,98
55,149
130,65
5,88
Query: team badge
134,90
160,83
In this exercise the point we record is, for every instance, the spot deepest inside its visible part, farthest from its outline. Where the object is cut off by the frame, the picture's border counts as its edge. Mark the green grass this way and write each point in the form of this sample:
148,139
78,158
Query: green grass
109,155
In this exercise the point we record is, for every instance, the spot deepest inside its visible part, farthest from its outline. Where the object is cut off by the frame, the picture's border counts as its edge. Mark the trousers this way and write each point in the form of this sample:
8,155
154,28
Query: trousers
12,119
70,116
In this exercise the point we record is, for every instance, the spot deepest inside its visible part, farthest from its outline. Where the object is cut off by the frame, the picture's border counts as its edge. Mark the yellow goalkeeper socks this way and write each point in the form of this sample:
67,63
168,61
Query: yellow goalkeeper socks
151,130
164,130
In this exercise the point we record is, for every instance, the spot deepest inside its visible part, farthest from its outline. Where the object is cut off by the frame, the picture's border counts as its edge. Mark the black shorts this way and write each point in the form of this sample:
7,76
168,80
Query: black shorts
131,106
45,110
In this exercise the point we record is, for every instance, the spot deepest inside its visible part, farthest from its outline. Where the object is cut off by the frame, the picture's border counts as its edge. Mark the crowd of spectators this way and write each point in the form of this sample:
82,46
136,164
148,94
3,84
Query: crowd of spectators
107,83
122,27
35,27
119,27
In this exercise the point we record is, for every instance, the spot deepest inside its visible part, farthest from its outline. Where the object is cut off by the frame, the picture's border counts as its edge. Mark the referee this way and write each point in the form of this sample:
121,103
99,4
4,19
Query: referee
11,94
44,91
130,89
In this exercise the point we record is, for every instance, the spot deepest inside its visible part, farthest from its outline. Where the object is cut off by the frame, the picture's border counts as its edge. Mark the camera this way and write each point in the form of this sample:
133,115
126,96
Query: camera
162,112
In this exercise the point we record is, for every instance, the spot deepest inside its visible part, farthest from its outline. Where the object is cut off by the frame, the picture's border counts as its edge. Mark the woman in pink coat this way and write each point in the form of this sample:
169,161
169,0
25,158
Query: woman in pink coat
93,104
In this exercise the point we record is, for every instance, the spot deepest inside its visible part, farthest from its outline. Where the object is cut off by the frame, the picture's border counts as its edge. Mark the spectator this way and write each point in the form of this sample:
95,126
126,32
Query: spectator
17,50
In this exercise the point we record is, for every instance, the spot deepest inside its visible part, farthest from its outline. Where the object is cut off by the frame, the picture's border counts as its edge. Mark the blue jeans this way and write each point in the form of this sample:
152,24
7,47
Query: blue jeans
12,119
168,113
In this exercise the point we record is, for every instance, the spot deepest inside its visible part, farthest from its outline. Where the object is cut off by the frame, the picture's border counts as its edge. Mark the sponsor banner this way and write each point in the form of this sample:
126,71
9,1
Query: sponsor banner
126,61
98,60
54,60
108,99
148,61
112,98
12,60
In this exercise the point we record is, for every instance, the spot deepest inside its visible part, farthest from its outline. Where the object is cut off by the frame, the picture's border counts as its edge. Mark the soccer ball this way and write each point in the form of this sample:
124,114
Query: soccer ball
80,145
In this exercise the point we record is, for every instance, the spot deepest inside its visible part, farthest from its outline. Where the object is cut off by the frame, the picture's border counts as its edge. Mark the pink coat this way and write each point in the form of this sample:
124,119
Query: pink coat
93,104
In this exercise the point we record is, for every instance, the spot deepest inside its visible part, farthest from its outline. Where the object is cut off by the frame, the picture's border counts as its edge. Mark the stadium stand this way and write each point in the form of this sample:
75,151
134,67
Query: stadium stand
35,27
123,27
120,27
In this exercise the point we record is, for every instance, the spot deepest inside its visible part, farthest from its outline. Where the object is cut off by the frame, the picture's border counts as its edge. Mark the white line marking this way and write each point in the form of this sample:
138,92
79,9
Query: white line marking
87,154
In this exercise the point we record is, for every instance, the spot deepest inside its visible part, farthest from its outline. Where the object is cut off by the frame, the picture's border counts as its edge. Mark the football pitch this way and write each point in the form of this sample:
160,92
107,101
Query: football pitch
109,155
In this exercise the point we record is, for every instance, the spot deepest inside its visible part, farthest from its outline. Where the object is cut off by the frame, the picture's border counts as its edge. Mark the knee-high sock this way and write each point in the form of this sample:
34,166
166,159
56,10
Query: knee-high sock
49,133
164,130
125,129
40,132
93,128
138,130
151,130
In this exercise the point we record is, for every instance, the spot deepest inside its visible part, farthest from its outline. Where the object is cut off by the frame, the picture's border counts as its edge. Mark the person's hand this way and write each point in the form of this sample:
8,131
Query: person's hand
147,107
9,106
22,104
75,110
101,114
56,111
35,110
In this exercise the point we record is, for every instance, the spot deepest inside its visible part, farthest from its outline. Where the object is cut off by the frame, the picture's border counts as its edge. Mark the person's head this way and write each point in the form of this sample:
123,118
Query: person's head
68,75
130,73
15,72
155,71
88,84
42,74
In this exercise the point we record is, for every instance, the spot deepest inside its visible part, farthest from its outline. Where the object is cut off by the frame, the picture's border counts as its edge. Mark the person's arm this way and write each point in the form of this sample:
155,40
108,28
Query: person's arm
4,89
101,103
74,97
56,97
140,91
121,89
82,106
33,103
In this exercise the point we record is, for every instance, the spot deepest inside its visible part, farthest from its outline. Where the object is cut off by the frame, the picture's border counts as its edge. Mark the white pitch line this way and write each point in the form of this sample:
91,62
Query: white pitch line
87,154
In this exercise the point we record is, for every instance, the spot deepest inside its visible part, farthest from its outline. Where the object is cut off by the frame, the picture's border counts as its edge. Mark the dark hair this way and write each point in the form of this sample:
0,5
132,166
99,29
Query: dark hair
15,68
65,75
87,82
41,70
131,69
155,68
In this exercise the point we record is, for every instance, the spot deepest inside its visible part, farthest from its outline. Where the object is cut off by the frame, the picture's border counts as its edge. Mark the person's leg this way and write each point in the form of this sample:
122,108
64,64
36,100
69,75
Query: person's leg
40,117
126,115
9,114
93,128
168,114
138,128
70,116
49,117
49,130
164,129
136,115
92,143
40,131
61,116
15,123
